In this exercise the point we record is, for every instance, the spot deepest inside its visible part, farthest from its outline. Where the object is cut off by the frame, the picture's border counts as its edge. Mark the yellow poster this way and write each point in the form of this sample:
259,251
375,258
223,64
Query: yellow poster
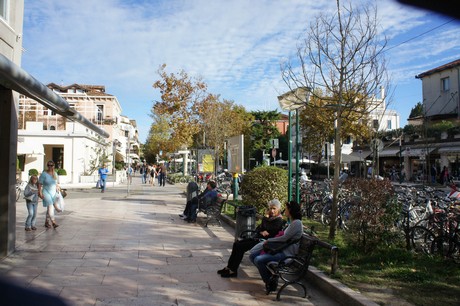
208,163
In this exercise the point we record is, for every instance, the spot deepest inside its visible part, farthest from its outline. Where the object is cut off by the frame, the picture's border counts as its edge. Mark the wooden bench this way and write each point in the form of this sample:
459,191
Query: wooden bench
293,269
214,210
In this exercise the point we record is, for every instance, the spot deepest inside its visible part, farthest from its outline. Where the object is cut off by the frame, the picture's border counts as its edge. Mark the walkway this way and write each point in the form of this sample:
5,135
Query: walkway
114,249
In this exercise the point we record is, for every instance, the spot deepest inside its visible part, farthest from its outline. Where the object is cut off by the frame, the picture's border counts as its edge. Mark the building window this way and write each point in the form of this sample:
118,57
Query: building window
100,113
375,124
4,9
445,84
389,125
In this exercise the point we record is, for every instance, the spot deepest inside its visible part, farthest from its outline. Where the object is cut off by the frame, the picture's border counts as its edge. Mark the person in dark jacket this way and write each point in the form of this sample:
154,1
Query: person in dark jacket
271,225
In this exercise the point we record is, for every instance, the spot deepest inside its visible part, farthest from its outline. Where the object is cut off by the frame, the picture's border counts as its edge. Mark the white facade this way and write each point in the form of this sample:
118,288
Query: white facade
44,135
441,90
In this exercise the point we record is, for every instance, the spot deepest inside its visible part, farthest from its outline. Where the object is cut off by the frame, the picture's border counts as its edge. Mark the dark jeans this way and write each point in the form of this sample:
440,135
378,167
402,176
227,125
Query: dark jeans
191,208
162,179
238,250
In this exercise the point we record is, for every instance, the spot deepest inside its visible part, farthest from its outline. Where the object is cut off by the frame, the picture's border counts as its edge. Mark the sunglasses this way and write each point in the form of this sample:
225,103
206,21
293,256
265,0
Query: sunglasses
50,165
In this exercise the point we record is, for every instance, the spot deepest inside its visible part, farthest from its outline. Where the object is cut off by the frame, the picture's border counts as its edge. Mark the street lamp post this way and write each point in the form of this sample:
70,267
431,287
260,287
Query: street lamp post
293,100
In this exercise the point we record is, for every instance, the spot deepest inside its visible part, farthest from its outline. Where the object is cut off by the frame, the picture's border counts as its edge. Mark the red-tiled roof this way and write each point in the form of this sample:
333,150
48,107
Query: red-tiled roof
439,69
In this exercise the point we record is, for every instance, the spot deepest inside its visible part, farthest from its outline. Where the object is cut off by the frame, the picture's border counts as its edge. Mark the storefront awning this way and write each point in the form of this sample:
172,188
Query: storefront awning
29,149
389,152
363,155
417,151
449,150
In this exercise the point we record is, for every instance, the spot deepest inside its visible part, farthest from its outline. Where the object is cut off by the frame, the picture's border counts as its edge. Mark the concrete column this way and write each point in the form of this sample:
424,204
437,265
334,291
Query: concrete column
9,141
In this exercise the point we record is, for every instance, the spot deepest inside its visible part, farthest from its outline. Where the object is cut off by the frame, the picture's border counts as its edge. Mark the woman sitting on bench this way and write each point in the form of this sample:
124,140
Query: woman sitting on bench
290,239
271,224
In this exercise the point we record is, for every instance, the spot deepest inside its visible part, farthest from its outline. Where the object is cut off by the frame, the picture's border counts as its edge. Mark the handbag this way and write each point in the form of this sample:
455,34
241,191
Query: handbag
273,247
63,193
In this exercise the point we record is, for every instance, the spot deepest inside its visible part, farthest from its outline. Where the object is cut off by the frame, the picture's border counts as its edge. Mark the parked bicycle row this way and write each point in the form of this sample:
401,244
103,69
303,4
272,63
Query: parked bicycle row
429,219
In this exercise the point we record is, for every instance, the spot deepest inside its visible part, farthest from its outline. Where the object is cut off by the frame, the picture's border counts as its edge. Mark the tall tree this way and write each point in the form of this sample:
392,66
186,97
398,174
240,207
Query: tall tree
263,129
180,98
341,57
220,120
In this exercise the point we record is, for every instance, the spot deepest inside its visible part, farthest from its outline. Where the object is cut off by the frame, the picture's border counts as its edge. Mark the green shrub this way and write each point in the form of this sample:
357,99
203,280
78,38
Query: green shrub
263,184
33,172
61,172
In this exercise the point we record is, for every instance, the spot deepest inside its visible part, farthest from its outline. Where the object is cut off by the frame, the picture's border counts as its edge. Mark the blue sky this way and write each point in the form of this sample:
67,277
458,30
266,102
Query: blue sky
236,46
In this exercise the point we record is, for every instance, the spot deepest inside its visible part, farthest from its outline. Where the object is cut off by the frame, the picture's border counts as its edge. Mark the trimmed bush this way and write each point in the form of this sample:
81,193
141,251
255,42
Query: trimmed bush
33,172
61,172
263,184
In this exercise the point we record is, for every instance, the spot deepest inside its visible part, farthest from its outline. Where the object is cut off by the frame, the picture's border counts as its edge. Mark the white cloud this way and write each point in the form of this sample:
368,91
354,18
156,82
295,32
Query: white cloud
236,46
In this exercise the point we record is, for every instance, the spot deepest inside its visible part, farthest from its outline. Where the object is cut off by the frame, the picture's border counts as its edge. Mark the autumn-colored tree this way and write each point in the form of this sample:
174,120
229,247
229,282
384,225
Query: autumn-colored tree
342,57
180,97
220,120
317,123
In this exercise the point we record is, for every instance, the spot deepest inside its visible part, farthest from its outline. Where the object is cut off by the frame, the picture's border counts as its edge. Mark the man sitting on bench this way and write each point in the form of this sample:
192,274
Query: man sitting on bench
202,201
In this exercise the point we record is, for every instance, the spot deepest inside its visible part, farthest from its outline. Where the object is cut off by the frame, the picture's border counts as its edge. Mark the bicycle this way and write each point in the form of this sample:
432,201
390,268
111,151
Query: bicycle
20,186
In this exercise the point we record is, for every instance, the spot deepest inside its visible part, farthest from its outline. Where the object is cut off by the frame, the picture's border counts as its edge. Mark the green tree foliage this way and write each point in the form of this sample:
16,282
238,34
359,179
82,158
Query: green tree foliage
416,111
263,129
159,138
263,184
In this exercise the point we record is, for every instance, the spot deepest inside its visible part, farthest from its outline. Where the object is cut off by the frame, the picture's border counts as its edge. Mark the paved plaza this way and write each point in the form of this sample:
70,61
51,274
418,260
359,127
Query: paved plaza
117,249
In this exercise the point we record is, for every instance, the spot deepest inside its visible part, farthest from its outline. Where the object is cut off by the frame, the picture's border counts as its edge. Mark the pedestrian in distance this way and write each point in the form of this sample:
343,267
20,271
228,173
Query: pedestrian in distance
103,171
47,191
272,224
129,174
434,174
163,172
31,196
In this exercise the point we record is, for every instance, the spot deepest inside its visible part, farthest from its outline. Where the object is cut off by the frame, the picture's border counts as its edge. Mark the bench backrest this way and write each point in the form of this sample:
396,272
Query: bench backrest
306,247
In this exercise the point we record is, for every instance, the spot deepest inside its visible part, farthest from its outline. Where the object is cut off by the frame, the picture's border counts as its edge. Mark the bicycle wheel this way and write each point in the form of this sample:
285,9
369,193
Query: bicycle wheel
326,214
314,212
422,239
18,193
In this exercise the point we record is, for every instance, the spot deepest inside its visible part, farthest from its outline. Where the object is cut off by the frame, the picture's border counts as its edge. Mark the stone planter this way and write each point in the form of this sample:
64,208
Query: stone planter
63,179
89,178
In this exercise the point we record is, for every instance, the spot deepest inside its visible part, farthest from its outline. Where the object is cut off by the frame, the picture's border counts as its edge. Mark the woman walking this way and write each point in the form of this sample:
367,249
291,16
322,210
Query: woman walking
31,196
47,190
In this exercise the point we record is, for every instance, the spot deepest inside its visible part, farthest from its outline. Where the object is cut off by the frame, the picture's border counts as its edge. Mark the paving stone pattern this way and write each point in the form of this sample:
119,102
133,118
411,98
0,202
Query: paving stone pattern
117,249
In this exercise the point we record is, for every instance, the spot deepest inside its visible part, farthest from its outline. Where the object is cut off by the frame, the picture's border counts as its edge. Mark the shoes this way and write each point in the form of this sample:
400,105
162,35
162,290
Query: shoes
181,215
191,220
33,228
222,270
47,224
28,229
184,218
102,191
55,224
229,273
272,284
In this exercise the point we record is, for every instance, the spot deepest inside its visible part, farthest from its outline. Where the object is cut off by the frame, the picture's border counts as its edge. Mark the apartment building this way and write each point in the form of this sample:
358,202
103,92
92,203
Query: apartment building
44,135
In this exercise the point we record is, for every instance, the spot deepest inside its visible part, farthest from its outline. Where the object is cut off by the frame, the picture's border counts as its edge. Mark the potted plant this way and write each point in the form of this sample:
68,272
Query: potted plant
33,172
62,176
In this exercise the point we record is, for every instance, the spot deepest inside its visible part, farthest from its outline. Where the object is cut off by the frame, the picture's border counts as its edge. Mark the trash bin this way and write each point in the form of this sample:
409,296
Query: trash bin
245,220
192,190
